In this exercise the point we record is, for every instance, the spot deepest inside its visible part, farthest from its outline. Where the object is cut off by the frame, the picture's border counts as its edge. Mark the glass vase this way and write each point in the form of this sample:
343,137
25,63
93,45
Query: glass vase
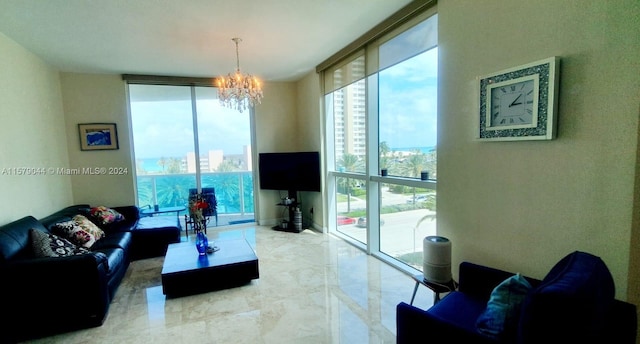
201,243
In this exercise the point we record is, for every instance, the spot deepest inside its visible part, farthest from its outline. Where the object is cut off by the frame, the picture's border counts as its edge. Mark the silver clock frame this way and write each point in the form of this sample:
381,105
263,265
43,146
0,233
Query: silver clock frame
546,72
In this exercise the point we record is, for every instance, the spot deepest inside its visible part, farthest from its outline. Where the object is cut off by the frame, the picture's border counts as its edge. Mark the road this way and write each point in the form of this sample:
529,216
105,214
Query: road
398,234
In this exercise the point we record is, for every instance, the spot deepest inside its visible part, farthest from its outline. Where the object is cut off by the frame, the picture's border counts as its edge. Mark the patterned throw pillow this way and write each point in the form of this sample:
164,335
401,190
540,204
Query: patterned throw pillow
74,233
51,245
89,226
104,215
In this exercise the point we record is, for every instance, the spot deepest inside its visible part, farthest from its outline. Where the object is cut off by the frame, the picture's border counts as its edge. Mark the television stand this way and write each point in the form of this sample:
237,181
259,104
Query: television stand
290,224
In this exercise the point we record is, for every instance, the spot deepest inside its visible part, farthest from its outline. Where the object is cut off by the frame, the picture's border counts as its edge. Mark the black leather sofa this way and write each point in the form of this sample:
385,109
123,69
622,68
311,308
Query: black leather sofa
45,296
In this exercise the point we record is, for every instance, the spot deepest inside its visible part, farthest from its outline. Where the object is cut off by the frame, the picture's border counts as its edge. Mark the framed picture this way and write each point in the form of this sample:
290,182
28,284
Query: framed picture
519,103
98,136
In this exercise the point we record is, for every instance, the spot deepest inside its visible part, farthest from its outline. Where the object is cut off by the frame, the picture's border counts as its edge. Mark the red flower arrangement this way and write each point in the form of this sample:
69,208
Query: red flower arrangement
196,207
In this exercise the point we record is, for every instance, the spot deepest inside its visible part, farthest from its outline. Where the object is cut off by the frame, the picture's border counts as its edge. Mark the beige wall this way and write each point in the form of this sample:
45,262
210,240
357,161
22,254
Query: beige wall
310,138
276,131
522,206
32,135
96,98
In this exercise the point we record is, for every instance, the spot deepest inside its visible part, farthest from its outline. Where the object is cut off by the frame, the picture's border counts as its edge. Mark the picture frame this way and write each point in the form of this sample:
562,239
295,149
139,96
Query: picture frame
519,103
98,136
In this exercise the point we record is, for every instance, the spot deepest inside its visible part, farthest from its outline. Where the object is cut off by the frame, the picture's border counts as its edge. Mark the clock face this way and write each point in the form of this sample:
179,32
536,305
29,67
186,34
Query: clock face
513,104
519,103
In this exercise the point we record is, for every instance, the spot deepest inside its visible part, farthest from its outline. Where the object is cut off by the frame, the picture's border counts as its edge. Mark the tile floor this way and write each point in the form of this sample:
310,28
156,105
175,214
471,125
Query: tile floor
313,288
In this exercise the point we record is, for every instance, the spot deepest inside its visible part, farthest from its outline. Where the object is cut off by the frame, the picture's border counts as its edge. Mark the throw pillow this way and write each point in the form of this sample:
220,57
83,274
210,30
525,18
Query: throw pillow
105,215
500,319
73,232
89,227
51,245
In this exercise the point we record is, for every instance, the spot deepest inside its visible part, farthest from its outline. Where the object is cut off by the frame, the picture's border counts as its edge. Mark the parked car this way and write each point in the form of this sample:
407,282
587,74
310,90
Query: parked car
345,220
418,199
362,222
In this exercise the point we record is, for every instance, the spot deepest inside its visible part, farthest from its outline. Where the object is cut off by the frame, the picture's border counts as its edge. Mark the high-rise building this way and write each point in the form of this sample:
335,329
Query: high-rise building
349,108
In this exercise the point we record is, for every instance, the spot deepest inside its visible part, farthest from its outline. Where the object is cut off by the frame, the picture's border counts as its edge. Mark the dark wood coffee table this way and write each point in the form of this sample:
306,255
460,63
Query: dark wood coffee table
185,272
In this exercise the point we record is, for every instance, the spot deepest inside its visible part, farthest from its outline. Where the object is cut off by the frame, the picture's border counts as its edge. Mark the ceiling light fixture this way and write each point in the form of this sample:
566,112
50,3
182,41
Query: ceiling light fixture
239,91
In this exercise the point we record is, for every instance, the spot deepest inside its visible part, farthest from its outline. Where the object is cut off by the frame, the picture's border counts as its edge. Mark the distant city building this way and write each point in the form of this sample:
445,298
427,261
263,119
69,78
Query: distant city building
349,106
211,161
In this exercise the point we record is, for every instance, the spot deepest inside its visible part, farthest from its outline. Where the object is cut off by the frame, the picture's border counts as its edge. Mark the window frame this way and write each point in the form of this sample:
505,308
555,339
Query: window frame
371,175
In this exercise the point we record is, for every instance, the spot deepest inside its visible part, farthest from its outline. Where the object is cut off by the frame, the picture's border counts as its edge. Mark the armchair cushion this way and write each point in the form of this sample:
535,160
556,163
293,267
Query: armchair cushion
500,319
460,309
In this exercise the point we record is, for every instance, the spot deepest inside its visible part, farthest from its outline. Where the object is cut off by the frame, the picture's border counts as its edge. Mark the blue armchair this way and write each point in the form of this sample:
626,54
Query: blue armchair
574,303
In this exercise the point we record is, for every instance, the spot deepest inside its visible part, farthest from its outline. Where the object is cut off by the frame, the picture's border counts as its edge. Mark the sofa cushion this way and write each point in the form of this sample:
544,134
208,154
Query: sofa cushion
113,240
500,319
105,215
51,245
571,302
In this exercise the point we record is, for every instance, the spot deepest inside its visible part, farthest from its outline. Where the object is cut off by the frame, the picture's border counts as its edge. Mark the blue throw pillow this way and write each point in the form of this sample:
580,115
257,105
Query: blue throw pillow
500,319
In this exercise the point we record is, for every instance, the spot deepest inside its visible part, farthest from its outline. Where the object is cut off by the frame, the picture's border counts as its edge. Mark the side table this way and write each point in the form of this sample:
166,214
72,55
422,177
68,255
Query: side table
437,288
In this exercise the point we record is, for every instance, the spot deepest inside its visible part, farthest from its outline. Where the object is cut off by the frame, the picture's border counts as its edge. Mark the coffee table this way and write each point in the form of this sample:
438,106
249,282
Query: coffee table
185,272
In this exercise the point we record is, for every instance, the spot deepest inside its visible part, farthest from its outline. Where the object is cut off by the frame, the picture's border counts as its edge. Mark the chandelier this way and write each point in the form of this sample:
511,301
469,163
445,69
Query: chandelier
239,91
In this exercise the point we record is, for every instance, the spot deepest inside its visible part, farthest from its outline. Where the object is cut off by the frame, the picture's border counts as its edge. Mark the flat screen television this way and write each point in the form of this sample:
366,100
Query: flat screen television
292,171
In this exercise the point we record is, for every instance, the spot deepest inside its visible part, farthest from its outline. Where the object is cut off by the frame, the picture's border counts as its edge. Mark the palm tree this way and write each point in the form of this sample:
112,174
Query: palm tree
228,190
384,154
174,165
350,163
171,191
430,217
226,166
162,162
415,163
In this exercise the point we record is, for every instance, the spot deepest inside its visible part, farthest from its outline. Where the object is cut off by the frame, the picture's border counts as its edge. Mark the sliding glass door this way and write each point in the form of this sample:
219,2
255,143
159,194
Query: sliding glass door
183,139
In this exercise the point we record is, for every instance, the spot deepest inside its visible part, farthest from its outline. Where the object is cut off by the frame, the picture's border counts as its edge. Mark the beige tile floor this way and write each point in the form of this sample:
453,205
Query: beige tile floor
313,288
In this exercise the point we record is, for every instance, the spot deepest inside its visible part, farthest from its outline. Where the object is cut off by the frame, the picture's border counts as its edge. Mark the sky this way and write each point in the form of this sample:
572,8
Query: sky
408,102
165,128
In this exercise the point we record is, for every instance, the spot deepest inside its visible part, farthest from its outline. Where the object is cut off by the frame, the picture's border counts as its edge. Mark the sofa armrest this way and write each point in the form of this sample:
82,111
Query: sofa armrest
131,215
479,281
414,325
128,211
48,290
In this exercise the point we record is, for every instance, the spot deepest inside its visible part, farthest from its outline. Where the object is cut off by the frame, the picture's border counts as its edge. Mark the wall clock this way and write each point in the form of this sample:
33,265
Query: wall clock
520,103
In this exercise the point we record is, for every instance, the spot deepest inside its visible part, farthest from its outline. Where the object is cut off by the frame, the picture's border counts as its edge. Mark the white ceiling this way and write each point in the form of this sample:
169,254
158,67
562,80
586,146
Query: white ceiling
282,39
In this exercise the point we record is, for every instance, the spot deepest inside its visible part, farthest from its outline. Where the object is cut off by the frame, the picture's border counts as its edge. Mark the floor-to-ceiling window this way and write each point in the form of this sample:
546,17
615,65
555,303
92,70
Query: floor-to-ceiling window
184,139
381,114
